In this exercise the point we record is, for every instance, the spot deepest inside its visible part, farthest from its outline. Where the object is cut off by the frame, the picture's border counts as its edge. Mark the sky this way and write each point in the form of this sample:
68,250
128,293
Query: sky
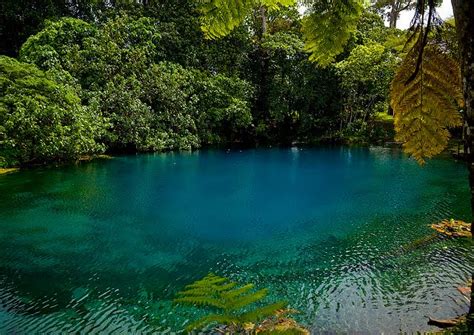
445,11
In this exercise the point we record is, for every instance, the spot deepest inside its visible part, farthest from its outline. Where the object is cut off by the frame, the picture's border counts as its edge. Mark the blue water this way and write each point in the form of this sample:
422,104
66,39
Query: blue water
103,247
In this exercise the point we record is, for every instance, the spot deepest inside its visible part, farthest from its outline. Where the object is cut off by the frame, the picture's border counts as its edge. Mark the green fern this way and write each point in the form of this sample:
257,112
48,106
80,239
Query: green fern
426,106
229,302
220,17
328,27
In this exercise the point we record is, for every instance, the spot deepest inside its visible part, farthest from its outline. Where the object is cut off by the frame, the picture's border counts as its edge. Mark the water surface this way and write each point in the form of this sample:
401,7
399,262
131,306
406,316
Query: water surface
103,247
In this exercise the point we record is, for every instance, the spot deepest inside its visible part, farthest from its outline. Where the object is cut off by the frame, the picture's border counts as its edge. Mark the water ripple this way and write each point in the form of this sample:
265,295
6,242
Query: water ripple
341,234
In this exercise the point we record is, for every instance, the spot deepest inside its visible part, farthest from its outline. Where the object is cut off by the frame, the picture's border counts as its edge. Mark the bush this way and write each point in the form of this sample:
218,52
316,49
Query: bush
148,106
41,120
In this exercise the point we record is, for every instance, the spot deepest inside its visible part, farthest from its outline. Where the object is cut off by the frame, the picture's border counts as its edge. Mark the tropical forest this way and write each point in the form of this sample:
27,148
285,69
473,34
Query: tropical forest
236,167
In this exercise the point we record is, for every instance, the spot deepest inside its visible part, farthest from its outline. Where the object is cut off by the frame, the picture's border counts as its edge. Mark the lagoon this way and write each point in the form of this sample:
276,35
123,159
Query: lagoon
341,234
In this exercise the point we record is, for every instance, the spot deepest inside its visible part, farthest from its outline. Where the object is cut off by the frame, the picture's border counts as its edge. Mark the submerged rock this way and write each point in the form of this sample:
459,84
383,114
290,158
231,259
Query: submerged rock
454,228
281,324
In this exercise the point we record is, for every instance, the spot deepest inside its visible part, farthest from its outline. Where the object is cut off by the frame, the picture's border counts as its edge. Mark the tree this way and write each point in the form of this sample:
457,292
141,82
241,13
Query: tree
276,34
19,19
42,120
328,28
220,17
392,9
464,15
365,80
105,65
149,105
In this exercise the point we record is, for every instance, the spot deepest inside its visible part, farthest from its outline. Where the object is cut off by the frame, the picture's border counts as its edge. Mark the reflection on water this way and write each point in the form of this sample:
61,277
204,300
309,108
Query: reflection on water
103,247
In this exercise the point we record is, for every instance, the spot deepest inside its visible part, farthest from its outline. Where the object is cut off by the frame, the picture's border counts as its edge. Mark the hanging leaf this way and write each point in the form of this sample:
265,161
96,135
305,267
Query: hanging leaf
328,27
426,106
220,17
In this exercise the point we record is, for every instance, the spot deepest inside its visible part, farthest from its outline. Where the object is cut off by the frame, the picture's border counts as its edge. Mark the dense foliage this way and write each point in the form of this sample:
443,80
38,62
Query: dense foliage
95,75
150,78
41,119
365,80
149,104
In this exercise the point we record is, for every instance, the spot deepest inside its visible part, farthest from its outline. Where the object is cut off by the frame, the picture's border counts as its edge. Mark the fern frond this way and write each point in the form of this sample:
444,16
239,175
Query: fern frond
207,291
276,4
220,17
210,319
425,107
232,300
243,300
210,281
236,292
262,312
328,28
201,301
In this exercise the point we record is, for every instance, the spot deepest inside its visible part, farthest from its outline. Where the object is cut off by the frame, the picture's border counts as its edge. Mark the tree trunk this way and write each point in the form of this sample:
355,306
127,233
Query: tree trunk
393,16
263,14
464,16
263,70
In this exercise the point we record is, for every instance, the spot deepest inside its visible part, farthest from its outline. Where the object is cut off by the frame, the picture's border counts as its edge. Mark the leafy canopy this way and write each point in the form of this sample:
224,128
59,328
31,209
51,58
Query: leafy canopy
365,76
229,301
40,119
326,29
149,105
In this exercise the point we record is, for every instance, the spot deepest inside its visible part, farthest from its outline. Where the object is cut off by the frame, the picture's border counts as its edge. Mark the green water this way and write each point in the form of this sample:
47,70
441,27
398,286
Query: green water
103,247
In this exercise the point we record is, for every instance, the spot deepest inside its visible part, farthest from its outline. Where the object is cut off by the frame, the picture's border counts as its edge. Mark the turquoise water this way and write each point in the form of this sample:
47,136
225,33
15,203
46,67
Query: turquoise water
103,247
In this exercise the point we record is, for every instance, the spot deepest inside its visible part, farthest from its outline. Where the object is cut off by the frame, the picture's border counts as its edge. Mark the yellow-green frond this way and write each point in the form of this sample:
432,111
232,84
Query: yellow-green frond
275,4
212,319
427,106
232,302
239,301
328,28
220,17
262,312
